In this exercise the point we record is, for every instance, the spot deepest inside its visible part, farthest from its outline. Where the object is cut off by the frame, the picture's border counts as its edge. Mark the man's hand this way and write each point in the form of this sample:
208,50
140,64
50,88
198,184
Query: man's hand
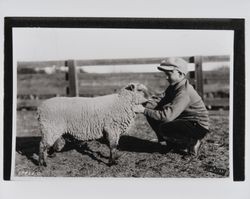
151,104
138,109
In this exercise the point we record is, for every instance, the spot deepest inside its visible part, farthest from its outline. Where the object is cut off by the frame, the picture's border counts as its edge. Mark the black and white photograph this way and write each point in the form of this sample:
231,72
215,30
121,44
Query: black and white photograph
107,102
124,99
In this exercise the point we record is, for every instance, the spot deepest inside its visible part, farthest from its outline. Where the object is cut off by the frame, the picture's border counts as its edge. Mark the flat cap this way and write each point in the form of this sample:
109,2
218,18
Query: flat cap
174,63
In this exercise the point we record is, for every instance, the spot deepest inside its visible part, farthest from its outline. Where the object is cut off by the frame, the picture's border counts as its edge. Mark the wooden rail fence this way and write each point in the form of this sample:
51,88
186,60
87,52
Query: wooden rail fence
196,76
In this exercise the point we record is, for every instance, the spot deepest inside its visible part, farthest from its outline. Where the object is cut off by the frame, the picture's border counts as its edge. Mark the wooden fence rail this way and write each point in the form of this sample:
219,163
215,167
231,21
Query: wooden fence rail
195,76
132,61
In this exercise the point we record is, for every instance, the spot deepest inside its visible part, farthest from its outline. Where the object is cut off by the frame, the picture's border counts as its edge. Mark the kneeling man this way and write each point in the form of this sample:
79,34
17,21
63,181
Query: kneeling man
179,116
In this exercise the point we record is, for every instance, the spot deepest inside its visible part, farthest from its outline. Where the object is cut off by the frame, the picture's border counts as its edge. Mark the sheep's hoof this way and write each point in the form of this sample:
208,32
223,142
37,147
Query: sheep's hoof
112,162
51,155
42,163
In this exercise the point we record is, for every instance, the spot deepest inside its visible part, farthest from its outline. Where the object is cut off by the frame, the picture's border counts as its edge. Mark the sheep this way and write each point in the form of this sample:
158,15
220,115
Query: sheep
86,118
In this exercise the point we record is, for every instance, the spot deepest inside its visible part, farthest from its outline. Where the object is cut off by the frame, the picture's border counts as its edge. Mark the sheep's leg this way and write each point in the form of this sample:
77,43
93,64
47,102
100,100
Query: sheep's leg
112,155
57,146
42,154
113,142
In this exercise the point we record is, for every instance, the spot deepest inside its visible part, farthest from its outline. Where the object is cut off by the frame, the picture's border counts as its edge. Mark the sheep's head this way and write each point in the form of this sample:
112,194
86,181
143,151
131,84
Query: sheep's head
140,92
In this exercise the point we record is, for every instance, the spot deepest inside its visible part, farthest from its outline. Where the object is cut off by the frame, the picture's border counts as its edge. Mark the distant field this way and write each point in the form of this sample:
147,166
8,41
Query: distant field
89,84
93,84
34,87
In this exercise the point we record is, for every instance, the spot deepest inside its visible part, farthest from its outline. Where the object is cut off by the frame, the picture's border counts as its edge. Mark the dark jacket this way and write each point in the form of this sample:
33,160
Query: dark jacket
180,101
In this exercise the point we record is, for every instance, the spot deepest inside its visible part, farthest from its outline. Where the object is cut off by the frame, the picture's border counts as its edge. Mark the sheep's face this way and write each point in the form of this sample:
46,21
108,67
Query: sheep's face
140,98
141,92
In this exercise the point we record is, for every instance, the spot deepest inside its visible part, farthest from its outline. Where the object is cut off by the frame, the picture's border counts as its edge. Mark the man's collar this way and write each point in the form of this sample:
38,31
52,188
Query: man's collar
180,83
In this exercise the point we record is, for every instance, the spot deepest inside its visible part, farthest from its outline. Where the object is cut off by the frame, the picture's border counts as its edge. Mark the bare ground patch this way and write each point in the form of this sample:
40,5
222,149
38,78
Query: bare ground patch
139,157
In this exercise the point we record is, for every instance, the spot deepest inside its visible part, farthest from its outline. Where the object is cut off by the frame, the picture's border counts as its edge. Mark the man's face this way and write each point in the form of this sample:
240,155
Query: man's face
173,76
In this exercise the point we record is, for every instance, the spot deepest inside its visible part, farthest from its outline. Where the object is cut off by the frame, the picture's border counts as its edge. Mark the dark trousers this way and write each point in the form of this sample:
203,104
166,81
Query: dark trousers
178,131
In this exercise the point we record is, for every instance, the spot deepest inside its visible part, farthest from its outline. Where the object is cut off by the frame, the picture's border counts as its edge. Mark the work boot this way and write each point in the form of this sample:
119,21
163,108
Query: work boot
194,149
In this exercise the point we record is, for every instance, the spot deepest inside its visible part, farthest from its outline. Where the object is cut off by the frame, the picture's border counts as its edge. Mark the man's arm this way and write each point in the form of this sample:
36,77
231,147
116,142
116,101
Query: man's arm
170,111
153,102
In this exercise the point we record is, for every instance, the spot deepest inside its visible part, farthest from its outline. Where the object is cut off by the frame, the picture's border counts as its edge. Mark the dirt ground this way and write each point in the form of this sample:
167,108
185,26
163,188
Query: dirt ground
139,156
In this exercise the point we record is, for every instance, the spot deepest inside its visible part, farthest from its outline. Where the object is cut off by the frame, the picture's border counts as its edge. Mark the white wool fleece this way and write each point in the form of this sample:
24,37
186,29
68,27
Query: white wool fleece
87,118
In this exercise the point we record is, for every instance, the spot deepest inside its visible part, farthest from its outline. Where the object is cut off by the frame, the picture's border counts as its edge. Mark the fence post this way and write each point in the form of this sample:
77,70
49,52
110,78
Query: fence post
72,77
199,75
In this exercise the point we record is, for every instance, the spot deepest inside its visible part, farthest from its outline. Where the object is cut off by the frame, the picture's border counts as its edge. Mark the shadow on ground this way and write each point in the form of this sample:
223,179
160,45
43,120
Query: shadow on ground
134,144
29,147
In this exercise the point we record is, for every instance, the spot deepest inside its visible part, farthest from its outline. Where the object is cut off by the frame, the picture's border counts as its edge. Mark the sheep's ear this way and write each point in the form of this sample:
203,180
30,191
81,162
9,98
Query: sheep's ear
141,87
130,87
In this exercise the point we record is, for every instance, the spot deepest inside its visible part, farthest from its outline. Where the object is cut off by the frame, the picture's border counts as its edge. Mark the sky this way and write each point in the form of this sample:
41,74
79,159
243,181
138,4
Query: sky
42,44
